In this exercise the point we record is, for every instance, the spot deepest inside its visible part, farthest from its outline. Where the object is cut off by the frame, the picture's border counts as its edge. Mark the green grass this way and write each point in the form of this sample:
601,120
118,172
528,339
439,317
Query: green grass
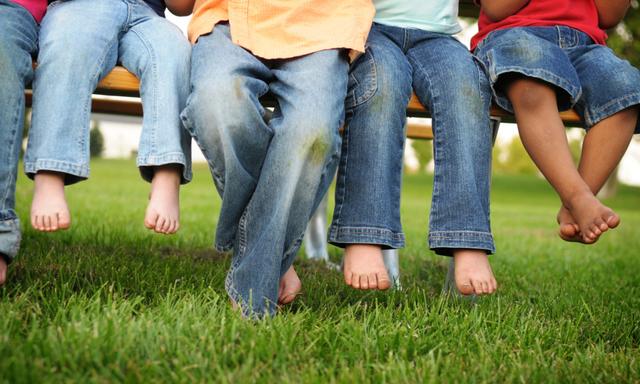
109,301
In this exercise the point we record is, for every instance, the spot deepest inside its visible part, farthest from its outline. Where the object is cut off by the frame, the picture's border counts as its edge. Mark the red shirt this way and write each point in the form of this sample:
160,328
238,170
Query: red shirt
37,8
578,14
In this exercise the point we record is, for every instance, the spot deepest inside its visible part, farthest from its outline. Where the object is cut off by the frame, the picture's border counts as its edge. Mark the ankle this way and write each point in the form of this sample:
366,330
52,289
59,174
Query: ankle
467,253
577,199
49,179
360,250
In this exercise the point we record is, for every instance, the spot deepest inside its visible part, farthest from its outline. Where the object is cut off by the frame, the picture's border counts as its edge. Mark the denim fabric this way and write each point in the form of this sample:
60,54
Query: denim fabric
588,76
19,40
453,86
80,42
271,175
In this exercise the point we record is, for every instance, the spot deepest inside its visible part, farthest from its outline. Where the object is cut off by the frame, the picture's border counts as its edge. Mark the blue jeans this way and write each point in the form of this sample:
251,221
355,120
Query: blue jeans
449,82
80,42
19,40
271,174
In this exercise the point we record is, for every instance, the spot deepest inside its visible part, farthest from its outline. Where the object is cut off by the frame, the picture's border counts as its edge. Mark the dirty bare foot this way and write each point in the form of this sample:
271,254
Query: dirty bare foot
163,211
364,267
290,286
49,210
591,216
473,272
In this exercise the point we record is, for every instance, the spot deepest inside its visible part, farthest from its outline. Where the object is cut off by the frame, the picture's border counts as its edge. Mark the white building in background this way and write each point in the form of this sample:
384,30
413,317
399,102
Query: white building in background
122,133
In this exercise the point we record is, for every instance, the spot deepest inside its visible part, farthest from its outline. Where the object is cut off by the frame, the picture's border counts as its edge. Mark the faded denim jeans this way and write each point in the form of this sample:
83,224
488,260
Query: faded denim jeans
270,175
18,42
451,84
80,43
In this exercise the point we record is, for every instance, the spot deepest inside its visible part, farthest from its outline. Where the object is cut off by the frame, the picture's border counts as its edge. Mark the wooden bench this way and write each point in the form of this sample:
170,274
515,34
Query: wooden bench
125,86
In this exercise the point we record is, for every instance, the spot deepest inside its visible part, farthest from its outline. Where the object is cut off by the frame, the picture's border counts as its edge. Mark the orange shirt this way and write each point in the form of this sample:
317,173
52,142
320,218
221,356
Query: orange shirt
279,29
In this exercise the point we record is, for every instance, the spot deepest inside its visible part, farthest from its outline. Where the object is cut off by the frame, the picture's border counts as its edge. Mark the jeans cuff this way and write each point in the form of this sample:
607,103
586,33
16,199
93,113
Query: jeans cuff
10,237
444,242
388,239
74,172
246,307
145,162
595,115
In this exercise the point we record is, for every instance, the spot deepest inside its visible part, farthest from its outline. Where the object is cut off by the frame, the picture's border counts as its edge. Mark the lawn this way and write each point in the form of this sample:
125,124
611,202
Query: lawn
108,301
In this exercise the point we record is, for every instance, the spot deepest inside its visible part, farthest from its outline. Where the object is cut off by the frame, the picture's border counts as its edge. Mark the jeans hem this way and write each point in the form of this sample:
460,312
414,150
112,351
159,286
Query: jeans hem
245,308
73,172
388,239
595,115
170,158
540,74
444,242
10,237
223,247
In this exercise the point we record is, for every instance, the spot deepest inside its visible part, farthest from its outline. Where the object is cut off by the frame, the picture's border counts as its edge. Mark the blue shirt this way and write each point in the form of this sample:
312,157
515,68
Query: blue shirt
157,5
430,15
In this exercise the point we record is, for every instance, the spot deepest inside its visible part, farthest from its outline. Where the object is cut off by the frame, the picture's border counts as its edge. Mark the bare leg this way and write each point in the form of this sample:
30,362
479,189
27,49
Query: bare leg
290,286
3,271
163,211
49,210
473,272
602,150
364,267
543,135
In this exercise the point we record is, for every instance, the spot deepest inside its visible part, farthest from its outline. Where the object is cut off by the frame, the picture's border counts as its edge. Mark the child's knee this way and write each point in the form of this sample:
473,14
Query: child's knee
528,94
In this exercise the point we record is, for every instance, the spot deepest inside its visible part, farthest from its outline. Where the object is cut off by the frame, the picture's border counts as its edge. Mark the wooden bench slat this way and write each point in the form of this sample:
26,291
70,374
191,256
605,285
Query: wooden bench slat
570,117
122,82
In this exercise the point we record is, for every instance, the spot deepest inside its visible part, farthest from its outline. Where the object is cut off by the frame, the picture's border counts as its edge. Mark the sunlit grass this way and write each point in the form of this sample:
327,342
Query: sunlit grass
109,301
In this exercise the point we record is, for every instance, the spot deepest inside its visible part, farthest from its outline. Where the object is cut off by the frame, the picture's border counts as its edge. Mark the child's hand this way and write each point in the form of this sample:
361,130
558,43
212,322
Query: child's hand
497,10
180,7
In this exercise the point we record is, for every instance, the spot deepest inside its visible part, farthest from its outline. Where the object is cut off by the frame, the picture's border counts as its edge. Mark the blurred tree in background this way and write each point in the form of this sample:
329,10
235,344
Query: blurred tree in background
96,140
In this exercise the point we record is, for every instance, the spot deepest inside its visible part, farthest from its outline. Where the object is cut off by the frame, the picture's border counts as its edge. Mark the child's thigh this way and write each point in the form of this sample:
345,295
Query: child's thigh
156,43
82,33
381,76
19,40
609,84
447,77
532,52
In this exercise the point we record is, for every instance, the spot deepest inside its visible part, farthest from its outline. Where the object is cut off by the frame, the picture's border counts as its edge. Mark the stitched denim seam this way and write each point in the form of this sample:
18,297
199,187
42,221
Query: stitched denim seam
594,116
341,193
371,90
437,140
154,96
80,170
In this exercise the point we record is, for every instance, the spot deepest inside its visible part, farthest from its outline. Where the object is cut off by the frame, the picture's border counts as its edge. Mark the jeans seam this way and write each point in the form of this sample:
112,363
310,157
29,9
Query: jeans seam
591,117
154,96
436,140
14,169
95,79
340,186
371,91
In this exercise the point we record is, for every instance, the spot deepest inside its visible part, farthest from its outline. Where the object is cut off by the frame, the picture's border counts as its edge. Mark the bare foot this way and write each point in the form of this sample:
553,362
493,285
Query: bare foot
473,272
49,210
364,267
163,211
591,216
569,230
3,271
290,287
